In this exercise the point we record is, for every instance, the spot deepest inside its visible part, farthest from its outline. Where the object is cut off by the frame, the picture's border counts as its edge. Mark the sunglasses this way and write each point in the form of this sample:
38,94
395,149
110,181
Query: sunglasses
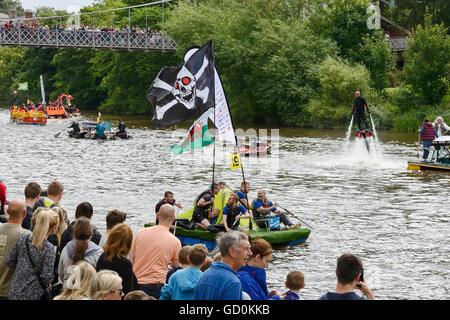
120,291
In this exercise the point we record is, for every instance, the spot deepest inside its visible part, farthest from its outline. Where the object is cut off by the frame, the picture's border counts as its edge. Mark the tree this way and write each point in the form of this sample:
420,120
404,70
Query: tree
427,66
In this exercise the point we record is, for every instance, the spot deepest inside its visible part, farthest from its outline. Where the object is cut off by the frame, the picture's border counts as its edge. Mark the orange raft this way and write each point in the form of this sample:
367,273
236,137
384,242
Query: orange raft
32,117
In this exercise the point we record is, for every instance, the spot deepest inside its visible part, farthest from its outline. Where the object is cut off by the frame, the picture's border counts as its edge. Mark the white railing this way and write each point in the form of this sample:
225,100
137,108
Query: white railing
86,39
398,43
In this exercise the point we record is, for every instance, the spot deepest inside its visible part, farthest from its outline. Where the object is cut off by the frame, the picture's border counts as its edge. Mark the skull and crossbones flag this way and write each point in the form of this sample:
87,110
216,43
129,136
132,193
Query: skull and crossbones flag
184,92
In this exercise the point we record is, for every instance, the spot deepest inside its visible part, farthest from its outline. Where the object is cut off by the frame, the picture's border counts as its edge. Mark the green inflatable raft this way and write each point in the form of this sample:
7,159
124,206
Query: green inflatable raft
281,238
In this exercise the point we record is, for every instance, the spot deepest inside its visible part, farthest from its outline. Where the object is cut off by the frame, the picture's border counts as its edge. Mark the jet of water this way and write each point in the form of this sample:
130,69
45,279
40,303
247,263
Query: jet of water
347,135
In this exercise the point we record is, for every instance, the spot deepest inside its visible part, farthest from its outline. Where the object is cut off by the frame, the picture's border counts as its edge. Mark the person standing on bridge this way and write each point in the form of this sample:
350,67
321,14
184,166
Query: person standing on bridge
359,107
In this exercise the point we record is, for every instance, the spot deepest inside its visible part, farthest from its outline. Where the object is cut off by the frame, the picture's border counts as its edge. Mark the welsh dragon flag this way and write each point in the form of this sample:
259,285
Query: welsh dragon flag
198,135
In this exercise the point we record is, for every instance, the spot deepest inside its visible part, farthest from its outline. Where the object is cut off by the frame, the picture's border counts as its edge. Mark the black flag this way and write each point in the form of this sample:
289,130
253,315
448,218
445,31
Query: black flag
184,92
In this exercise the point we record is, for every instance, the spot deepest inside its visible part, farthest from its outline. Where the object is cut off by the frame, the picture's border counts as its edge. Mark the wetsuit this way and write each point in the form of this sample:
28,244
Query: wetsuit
359,107
121,133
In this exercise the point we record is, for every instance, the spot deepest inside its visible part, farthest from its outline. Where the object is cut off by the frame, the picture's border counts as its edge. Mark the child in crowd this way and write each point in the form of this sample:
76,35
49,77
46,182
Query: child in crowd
295,281
182,259
182,284
138,295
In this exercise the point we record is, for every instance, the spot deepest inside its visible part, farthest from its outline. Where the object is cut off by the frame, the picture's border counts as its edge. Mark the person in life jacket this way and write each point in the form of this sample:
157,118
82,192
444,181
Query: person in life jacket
76,130
243,194
427,135
233,212
203,211
262,208
121,130
358,109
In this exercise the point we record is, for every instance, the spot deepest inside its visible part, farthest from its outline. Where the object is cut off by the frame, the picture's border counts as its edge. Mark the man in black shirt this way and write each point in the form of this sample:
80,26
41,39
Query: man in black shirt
358,108
204,208
168,198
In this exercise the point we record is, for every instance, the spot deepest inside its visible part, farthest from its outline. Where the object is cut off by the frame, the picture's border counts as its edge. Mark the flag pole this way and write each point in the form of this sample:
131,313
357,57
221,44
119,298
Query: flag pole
250,224
214,146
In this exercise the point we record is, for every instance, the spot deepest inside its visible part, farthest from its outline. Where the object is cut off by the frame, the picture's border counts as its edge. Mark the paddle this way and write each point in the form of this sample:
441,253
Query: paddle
418,146
59,133
290,212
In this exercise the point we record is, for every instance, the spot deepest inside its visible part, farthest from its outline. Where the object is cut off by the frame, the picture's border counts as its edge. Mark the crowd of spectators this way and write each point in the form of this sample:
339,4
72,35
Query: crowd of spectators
44,255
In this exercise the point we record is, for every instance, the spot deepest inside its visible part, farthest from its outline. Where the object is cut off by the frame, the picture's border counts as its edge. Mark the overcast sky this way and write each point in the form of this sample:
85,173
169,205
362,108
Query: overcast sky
57,4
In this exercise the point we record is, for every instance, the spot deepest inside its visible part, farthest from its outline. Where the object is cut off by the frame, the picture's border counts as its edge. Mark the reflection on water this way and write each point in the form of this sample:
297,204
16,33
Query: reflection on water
370,205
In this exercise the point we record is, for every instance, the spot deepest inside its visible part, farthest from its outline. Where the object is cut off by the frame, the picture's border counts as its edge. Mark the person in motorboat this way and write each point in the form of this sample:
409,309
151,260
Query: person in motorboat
427,135
440,127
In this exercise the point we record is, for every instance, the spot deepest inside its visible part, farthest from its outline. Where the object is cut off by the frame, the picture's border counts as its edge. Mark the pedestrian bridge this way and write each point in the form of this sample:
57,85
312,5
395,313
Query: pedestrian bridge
398,44
81,39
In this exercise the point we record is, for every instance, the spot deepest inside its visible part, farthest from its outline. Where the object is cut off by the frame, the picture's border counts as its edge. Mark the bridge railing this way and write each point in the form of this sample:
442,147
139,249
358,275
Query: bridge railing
115,40
398,43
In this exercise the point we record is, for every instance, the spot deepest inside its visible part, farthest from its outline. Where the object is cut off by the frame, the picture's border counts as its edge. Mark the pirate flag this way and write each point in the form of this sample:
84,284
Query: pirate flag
184,92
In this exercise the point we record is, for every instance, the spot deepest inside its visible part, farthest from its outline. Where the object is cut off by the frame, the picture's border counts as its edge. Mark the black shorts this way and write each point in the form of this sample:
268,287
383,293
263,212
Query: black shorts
199,215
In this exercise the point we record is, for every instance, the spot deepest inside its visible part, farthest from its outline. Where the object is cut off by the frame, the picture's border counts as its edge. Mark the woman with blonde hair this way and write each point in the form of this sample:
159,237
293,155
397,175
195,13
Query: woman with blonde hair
31,253
114,257
106,285
77,285
80,248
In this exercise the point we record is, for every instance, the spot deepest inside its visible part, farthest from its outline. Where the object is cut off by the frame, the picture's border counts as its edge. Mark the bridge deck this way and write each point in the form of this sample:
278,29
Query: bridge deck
86,39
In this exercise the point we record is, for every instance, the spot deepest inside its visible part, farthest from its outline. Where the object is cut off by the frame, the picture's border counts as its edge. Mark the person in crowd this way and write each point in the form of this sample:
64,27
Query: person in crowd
138,295
243,194
114,256
31,253
152,250
182,260
359,107
220,281
168,198
182,284
53,198
204,208
262,207
113,218
78,249
10,232
207,264
295,281
32,194
106,285
349,271
253,275
86,210
427,135
2,197
222,185
77,285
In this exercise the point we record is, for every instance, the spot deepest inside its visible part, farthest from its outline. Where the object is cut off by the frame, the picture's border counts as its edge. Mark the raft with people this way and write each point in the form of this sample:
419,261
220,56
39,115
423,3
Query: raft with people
273,233
32,117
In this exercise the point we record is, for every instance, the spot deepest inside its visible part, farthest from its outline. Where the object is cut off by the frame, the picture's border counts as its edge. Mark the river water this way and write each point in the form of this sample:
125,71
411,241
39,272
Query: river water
370,205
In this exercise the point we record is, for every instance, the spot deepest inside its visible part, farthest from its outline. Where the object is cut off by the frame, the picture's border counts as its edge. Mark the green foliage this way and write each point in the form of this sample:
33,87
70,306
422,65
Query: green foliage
11,60
427,66
375,54
338,82
266,61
